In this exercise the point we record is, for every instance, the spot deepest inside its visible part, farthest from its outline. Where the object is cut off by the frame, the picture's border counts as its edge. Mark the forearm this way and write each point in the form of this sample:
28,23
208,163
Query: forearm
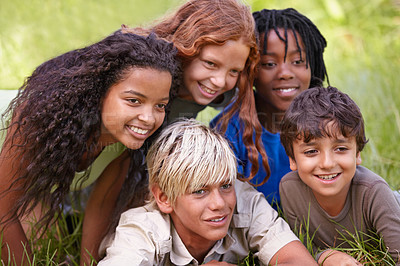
93,232
293,253
15,249
15,246
96,222
100,207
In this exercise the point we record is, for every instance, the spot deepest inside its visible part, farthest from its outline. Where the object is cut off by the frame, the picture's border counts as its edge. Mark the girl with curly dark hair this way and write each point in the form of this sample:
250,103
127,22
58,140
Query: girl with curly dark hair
102,102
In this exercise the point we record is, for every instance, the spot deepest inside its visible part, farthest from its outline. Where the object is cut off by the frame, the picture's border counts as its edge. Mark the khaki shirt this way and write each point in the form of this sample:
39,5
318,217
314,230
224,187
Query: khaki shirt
145,236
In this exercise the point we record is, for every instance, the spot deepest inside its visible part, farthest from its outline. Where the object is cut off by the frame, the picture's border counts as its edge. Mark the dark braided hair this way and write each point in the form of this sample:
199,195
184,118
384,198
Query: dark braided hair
56,116
291,19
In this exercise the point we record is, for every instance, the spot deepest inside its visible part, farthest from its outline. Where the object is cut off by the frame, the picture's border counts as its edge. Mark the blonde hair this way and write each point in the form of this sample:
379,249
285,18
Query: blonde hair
188,156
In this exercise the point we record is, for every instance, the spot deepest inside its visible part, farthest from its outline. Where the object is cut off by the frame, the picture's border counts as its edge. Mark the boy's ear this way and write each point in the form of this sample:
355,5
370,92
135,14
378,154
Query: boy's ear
161,199
358,158
293,164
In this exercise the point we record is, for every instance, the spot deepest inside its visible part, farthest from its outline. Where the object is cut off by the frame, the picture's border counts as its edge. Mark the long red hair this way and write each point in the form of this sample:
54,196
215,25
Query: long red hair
198,23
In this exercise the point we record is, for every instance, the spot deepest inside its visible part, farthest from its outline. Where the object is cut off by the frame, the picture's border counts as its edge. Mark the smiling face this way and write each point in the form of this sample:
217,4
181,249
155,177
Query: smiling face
279,81
327,165
214,71
203,216
134,108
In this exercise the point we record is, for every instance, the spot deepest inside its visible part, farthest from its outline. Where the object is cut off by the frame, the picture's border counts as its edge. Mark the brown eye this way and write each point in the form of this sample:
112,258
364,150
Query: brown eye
135,101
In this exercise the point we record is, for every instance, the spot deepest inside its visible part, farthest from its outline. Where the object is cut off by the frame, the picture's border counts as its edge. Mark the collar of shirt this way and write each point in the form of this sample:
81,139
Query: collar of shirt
180,255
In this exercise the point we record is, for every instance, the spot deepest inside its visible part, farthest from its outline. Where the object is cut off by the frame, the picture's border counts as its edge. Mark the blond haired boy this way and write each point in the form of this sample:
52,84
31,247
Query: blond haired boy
198,212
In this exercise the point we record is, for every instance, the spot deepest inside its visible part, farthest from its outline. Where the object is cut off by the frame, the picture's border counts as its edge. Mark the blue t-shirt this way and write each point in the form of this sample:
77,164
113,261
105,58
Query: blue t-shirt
277,158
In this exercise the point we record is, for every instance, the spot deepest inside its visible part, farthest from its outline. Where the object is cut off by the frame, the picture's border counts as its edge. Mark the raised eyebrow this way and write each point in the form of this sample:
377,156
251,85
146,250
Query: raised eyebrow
164,99
135,93
308,144
142,95
342,141
289,52
297,51
209,58
269,54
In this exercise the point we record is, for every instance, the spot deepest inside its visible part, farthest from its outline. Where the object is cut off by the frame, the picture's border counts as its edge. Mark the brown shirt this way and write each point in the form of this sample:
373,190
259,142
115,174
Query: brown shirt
370,207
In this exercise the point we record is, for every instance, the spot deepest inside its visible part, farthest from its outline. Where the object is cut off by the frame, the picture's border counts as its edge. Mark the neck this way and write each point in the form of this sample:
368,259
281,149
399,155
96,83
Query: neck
105,139
333,205
88,158
198,249
197,245
269,117
90,155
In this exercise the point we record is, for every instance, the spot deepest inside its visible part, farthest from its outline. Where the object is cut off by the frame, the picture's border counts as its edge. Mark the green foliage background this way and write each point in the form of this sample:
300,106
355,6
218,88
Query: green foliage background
362,57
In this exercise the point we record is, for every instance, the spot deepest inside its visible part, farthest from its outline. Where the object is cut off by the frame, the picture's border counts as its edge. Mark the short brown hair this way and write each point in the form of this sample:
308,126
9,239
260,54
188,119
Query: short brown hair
313,109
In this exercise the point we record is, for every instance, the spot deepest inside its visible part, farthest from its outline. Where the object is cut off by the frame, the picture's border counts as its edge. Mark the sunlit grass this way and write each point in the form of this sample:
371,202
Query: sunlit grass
60,244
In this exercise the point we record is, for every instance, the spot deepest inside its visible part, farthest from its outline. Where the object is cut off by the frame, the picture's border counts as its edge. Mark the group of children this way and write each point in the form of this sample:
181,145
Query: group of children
171,191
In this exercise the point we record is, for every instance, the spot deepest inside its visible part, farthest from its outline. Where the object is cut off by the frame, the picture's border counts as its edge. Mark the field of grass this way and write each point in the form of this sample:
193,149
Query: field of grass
362,59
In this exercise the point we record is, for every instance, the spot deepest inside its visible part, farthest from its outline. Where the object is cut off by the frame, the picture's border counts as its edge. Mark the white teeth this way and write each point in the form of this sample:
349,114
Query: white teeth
287,90
139,130
217,220
328,177
204,88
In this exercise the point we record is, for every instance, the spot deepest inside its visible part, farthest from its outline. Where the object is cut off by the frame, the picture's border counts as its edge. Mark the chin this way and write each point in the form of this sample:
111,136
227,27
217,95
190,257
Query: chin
134,146
203,101
218,236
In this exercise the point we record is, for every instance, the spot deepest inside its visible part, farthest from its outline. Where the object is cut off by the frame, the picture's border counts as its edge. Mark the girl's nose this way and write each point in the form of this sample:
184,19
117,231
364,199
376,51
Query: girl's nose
218,79
285,72
146,115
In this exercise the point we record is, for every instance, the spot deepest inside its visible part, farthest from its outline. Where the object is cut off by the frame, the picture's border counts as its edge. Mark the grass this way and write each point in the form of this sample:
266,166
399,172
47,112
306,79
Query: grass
367,248
361,57
60,245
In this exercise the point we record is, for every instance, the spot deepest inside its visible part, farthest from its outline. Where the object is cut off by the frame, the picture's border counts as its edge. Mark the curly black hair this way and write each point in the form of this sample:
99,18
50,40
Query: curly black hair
291,19
56,116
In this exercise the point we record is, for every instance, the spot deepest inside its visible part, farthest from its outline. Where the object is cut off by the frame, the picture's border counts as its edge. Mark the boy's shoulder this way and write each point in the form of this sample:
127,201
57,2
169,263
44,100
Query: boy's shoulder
249,203
365,177
291,187
146,222
291,179
147,216
245,193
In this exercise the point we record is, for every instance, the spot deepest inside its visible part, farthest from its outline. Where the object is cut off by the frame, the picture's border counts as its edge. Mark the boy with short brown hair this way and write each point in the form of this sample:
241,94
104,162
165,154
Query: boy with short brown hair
323,135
